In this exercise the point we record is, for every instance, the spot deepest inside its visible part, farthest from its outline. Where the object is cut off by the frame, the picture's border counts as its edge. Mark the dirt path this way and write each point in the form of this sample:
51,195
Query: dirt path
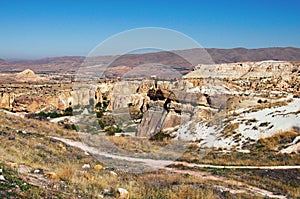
161,164
239,187
237,167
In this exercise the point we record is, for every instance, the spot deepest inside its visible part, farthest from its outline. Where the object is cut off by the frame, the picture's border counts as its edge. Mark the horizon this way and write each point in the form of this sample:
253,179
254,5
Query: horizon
34,29
62,56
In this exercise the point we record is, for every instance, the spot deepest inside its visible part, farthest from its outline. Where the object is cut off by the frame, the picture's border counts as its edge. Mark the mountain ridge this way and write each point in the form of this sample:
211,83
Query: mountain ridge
175,59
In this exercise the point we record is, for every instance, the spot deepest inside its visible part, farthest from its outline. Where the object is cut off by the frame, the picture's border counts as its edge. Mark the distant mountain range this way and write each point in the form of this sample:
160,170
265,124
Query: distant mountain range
174,59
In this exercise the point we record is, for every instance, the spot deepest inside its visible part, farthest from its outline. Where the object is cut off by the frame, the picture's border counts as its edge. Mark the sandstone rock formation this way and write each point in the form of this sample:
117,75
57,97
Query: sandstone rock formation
6,100
28,76
244,70
209,95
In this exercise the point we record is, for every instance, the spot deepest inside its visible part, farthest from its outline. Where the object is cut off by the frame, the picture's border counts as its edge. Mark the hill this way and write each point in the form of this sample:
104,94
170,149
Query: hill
70,64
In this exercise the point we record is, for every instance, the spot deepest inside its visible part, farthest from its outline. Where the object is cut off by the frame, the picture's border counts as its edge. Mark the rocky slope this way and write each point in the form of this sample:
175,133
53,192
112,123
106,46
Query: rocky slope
262,100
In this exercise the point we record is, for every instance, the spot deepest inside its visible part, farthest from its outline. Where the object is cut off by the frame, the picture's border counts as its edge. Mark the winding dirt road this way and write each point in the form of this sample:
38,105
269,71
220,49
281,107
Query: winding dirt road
162,164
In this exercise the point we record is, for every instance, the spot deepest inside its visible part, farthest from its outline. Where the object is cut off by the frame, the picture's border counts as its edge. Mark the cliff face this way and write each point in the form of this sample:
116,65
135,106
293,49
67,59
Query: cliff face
237,76
35,98
162,104
205,96
263,69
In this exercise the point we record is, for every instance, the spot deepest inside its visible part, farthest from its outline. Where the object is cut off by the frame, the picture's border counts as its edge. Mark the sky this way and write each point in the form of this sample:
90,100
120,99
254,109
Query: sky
35,28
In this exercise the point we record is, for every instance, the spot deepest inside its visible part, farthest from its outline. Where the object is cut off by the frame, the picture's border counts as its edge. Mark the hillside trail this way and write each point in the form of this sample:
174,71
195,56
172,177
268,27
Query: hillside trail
240,187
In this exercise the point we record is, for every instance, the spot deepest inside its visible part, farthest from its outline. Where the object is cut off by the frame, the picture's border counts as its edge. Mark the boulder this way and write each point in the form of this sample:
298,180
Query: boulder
123,193
113,173
2,178
86,166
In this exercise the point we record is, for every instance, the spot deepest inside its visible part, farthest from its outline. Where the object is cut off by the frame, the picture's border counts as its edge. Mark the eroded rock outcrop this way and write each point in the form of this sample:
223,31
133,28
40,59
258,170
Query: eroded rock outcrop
6,100
164,105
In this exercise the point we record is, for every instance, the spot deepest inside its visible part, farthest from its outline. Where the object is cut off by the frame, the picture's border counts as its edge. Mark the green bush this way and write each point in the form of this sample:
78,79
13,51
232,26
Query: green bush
70,126
99,114
105,104
102,124
160,137
113,130
54,115
68,111
98,105
42,114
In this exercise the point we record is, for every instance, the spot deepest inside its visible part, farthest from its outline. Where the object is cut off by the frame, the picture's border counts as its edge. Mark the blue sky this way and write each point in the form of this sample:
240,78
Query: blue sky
32,29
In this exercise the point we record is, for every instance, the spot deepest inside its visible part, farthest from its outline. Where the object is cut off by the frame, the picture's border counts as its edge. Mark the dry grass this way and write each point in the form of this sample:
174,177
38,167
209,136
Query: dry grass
135,144
264,152
163,185
268,105
65,163
10,123
66,172
284,182
40,152
132,144
136,147
255,158
229,129
278,140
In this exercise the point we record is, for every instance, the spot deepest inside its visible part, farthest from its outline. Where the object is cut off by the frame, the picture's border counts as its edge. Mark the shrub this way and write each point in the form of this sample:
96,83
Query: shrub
70,126
54,115
99,114
105,104
42,114
264,124
66,172
113,130
160,137
68,111
98,105
102,124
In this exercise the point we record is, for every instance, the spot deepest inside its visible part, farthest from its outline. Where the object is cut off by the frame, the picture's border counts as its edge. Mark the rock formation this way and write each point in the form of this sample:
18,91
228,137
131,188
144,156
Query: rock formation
28,76
209,95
